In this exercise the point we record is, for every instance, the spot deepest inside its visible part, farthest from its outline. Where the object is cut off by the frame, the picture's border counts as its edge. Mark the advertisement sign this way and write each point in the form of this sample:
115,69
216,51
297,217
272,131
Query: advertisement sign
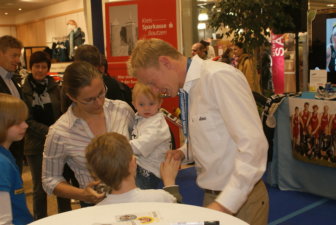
313,130
317,78
278,62
129,21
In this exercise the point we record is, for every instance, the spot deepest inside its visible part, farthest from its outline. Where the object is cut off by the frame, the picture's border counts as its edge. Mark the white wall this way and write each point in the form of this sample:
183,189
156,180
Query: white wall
7,26
56,27
49,11
55,17
8,30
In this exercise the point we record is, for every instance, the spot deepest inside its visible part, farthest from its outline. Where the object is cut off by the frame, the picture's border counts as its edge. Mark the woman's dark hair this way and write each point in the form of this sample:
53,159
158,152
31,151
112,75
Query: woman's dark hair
77,75
39,57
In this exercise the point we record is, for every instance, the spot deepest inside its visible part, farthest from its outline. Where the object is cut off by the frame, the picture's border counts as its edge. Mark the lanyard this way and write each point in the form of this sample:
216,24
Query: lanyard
183,96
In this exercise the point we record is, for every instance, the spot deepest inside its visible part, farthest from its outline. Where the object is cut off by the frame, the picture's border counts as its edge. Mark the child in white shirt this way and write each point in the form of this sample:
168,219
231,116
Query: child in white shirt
151,137
111,160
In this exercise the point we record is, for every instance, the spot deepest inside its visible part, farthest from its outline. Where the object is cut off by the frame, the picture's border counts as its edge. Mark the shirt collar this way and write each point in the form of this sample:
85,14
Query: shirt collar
73,118
193,73
7,154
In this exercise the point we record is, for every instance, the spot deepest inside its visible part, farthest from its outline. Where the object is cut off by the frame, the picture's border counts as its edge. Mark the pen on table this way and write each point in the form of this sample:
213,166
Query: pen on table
213,222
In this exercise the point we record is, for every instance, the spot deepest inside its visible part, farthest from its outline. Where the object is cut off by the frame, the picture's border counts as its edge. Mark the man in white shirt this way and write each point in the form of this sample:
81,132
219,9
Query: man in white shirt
10,52
225,135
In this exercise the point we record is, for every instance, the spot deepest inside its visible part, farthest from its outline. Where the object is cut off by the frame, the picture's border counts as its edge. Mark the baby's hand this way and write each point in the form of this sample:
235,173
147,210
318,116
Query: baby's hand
168,170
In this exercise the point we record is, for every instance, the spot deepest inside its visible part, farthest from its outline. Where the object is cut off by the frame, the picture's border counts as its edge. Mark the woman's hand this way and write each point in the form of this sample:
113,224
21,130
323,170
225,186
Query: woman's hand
90,195
175,154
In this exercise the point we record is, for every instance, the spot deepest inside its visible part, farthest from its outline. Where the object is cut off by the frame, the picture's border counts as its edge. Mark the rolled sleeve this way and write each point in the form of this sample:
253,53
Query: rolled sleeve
53,161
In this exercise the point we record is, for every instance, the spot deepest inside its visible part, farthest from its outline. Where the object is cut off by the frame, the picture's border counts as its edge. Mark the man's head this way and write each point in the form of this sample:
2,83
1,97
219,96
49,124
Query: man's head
88,53
10,52
199,49
110,158
158,64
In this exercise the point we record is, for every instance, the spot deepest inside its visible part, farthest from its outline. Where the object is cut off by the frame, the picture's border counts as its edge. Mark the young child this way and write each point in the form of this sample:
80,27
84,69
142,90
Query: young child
13,209
110,159
151,137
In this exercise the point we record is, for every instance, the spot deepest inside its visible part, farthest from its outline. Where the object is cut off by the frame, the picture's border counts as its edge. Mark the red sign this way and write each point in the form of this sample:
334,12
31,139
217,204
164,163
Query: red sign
278,62
129,21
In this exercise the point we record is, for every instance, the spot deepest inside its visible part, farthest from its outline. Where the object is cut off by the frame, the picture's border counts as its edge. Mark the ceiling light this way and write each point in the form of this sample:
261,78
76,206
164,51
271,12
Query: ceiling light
19,9
330,5
201,26
203,17
6,13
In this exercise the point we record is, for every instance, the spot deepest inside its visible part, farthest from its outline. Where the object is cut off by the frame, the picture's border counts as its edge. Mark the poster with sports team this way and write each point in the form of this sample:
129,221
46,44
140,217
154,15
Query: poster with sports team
313,130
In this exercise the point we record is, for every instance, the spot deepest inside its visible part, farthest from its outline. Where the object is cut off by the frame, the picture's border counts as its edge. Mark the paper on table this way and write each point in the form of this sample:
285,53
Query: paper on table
134,219
317,78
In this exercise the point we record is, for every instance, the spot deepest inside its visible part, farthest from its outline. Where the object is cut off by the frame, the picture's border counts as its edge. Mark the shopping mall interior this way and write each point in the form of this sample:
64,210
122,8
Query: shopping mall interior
302,192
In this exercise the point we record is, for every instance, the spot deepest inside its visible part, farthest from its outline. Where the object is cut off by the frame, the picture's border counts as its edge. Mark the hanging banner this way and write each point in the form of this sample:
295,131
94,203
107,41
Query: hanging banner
278,62
313,130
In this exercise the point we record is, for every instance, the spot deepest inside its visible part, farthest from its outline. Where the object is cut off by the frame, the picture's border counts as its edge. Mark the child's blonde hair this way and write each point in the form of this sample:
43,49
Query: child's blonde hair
108,157
12,111
140,88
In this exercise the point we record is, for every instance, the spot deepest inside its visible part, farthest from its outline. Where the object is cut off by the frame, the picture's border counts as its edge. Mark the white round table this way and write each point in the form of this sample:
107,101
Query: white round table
164,214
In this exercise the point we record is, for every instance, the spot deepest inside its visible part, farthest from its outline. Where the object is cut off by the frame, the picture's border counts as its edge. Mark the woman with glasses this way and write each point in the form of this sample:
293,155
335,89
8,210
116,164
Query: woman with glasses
88,116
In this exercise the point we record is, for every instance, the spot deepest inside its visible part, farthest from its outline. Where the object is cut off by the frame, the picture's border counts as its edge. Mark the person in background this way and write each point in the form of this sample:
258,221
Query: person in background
225,135
113,151
13,113
42,96
199,49
121,91
10,52
209,49
116,89
248,67
89,115
151,137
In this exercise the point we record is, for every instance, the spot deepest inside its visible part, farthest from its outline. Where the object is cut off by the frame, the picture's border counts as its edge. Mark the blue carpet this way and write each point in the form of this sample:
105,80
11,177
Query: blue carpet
286,207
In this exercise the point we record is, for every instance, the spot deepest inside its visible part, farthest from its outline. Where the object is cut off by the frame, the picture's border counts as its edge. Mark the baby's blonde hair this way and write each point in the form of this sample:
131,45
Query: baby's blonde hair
140,88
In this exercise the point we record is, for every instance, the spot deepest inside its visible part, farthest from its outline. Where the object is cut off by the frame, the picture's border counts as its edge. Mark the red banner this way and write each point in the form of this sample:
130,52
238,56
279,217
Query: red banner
129,21
278,62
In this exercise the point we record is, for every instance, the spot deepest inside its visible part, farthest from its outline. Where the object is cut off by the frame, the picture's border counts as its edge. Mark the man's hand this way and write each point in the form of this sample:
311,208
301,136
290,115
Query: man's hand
218,207
90,195
175,154
169,169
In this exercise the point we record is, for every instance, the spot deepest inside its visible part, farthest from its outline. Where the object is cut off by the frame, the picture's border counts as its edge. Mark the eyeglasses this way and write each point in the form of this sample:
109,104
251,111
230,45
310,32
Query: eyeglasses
92,100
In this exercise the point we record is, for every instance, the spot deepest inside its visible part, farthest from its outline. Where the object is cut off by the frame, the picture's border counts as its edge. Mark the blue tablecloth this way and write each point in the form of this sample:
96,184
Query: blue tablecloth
290,174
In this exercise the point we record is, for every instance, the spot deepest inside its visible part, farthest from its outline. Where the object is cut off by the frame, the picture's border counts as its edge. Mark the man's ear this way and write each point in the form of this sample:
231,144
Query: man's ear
133,164
165,61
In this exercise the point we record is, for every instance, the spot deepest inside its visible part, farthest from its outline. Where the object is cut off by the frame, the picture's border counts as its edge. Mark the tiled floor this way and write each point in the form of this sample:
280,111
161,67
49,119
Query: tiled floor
28,186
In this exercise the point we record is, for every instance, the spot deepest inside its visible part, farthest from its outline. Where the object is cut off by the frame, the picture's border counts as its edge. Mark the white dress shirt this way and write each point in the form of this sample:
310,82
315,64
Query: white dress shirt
151,139
226,138
68,137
